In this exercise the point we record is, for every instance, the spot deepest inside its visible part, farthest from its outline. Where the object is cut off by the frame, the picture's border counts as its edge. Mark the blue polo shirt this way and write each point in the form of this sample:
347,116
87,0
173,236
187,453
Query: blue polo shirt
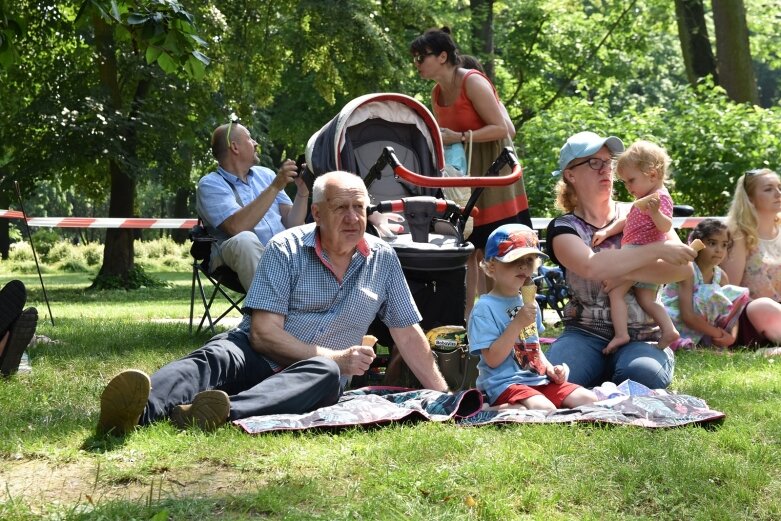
294,279
215,201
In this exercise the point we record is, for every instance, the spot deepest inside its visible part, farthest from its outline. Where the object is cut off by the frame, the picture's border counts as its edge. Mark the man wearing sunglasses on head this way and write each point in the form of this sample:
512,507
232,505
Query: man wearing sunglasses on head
243,205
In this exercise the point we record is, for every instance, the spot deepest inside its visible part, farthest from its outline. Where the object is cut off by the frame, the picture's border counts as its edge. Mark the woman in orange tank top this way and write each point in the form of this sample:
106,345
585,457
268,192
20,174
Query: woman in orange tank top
464,101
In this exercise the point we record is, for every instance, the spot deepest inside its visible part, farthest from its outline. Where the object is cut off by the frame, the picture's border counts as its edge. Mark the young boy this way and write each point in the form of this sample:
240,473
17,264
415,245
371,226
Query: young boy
513,371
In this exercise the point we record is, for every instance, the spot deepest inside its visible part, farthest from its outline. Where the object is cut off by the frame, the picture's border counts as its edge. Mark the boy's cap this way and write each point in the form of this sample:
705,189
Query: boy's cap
584,144
512,241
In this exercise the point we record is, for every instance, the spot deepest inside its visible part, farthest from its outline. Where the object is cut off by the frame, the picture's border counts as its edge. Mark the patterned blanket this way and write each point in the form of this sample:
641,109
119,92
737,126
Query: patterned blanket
383,405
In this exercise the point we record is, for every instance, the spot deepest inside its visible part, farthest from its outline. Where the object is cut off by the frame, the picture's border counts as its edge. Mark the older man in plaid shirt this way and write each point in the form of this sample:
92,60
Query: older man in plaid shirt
316,291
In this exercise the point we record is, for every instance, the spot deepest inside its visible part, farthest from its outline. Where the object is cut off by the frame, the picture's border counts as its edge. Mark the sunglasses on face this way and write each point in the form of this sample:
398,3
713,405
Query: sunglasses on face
420,58
595,163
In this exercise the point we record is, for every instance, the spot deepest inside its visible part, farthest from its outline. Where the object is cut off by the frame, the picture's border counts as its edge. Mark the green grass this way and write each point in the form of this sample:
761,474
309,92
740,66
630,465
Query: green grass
51,465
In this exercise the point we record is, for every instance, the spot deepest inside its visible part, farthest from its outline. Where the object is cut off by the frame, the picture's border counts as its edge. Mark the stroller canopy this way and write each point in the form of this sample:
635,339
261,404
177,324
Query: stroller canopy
355,138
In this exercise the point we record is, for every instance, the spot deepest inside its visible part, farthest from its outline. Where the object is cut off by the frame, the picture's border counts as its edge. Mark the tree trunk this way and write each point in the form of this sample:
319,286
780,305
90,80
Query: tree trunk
483,33
695,44
118,253
733,56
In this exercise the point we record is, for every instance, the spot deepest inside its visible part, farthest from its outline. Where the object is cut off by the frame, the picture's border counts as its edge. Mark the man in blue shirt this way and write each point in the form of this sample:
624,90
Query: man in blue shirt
243,205
316,291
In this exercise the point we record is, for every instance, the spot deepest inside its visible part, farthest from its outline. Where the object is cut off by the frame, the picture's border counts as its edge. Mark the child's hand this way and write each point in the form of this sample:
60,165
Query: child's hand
526,316
653,205
598,238
725,340
558,373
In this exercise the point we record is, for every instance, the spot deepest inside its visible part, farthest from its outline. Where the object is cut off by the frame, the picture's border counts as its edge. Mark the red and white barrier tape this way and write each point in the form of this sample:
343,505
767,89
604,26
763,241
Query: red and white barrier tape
539,223
101,222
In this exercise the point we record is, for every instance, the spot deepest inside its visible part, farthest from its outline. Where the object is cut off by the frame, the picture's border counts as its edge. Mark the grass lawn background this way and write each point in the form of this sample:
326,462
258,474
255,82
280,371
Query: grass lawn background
52,466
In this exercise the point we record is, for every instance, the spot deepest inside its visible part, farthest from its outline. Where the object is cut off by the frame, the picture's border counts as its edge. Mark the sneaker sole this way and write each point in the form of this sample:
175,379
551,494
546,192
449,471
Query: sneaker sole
123,401
22,332
209,410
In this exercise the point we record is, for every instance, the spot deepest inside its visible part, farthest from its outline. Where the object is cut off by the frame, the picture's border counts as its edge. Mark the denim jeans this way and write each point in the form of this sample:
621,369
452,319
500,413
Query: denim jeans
227,362
638,361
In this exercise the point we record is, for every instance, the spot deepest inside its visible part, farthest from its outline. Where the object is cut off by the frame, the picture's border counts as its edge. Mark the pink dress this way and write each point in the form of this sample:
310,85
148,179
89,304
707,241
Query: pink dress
640,228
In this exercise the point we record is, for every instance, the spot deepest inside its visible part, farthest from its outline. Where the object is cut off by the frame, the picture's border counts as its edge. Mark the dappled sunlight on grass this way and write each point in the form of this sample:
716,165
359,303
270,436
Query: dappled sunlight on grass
412,470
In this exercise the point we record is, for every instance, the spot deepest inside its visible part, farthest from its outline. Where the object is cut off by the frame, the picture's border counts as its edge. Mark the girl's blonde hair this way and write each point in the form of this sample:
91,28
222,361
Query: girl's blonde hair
742,216
645,156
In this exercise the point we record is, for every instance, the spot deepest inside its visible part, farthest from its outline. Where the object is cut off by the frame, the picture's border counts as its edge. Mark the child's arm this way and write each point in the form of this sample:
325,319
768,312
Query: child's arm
689,316
615,227
502,346
662,221
658,208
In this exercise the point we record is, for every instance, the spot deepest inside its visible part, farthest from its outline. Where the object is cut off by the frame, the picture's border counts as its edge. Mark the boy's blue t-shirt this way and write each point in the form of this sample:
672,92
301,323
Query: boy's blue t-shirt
490,317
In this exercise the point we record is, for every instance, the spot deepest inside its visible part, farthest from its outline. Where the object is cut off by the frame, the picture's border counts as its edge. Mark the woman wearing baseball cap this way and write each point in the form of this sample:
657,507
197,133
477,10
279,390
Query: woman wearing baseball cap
585,192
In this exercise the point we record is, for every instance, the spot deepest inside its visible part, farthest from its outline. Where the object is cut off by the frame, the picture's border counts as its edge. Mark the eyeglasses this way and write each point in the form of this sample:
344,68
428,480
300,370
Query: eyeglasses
420,58
595,163
230,125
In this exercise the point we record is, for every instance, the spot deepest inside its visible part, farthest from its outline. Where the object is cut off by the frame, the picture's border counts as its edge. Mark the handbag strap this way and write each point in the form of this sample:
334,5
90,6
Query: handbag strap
469,156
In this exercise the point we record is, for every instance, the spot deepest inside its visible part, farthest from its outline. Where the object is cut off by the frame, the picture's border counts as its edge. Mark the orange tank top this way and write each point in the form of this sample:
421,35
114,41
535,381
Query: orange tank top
461,115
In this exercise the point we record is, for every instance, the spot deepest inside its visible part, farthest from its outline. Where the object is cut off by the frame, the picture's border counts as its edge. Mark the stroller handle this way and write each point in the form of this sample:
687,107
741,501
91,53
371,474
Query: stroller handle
507,157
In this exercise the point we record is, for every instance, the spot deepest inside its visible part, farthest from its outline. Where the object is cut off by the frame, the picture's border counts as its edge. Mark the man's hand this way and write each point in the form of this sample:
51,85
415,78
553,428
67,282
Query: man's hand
287,172
354,361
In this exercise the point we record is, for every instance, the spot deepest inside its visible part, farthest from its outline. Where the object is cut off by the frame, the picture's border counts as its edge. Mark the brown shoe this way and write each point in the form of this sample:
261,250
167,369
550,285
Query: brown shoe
123,401
209,410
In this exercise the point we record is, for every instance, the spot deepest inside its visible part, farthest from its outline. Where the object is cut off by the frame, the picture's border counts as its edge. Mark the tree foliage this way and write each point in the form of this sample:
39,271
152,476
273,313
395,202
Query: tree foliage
286,67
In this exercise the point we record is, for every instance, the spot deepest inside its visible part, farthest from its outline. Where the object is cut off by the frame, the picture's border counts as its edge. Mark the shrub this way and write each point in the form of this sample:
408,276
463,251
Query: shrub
93,253
158,248
62,251
74,265
20,252
44,239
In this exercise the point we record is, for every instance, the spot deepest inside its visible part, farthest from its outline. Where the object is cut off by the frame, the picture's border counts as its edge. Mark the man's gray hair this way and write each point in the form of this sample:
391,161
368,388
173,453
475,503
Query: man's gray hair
349,179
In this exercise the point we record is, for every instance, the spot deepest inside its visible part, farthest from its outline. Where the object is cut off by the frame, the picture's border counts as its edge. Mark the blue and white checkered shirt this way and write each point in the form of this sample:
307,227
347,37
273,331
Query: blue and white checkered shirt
293,280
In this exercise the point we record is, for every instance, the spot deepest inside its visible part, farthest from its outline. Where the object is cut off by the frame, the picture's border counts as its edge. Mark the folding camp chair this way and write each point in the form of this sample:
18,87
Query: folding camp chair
221,278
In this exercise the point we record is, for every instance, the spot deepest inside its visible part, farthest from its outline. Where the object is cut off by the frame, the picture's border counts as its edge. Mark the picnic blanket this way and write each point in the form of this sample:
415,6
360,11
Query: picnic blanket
627,404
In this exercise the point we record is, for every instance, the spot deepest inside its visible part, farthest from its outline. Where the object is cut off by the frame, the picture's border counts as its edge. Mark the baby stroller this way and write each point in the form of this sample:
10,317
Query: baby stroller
394,143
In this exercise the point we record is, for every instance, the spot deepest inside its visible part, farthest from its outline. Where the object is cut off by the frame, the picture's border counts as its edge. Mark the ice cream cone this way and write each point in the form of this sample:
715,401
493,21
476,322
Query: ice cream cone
369,340
697,245
528,293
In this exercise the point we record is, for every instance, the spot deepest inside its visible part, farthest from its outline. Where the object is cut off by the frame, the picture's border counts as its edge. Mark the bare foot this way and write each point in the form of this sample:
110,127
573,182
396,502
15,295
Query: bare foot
668,337
614,344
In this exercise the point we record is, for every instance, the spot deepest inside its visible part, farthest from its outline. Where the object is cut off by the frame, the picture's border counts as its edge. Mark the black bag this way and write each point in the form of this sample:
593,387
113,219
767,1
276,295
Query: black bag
451,352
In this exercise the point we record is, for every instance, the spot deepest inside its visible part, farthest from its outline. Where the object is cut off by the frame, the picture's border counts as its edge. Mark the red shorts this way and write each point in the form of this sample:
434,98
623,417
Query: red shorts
517,393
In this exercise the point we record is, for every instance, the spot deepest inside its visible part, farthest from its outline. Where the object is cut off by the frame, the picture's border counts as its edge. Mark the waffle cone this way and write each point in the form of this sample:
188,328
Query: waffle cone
528,293
697,245
369,340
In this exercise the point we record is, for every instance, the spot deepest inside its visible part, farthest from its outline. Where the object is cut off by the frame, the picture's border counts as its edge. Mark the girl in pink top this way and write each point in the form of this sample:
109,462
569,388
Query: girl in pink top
643,168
